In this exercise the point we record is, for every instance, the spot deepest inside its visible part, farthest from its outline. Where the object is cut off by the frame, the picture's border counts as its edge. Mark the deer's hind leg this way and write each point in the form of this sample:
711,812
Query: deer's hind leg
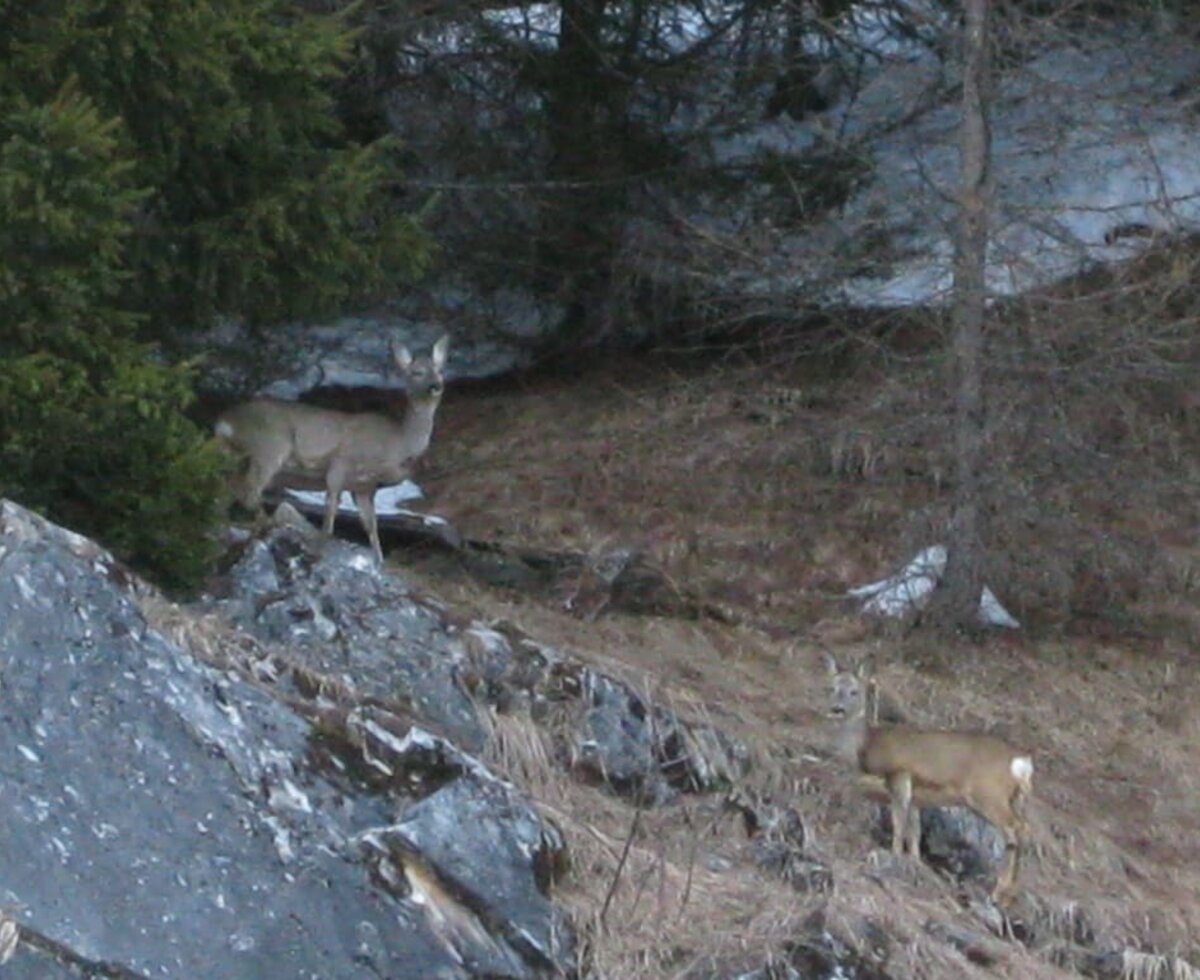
1016,837
253,477
335,482
1010,868
1008,817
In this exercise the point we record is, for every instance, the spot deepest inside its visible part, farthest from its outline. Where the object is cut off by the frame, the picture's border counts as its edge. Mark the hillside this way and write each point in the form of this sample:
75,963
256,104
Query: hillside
616,759
727,477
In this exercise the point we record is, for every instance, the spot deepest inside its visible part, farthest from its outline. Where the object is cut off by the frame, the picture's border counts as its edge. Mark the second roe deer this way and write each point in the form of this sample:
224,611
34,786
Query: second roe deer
921,767
306,447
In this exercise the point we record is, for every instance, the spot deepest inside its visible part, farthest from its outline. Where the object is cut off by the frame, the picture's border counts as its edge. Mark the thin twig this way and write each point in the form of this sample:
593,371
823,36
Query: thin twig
633,829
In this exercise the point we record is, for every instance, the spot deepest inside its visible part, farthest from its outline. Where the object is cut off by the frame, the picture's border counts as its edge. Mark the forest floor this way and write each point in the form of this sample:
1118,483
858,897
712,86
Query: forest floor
734,481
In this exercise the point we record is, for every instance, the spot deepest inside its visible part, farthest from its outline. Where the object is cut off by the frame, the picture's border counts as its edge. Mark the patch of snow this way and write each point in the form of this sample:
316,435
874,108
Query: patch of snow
994,614
536,24
387,499
909,589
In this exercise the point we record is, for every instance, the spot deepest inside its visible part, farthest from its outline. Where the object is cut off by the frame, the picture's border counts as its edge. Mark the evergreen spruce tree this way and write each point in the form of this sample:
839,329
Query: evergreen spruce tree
162,163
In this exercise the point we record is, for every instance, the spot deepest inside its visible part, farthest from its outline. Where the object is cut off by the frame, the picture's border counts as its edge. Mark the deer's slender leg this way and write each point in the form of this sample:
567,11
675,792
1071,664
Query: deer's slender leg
257,476
1006,877
900,788
335,480
1006,814
365,501
913,835
1015,836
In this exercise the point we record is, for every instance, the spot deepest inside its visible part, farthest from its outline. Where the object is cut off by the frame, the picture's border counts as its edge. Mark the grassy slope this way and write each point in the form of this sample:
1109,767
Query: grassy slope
739,484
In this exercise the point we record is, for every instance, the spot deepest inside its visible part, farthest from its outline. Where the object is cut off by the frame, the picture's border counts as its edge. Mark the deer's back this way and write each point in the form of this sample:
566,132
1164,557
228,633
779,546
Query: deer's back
935,758
309,437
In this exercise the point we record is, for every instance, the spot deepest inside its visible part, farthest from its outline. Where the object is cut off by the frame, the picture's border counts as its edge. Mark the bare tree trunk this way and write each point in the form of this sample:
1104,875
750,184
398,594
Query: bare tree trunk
964,572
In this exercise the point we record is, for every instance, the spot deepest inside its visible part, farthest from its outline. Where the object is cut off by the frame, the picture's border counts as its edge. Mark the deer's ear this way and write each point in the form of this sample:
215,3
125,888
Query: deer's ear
440,349
831,665
402,356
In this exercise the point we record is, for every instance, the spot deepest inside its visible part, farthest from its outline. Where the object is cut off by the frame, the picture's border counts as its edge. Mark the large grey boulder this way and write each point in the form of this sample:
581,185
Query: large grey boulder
167,817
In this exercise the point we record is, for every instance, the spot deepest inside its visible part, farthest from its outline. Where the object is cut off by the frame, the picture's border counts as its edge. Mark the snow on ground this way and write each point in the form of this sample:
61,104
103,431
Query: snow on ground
388,500
909,589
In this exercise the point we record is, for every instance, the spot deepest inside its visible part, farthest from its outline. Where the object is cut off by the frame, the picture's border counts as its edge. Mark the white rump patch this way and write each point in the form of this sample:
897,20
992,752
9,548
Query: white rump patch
1022,769
224,429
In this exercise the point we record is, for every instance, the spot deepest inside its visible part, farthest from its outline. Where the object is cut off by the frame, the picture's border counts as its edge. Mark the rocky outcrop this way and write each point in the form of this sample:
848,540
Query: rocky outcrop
175,815
284,779
339,617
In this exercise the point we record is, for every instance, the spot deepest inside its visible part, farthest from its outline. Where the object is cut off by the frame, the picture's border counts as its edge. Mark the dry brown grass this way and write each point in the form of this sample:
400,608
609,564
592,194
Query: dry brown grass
770,512
773,486
701,471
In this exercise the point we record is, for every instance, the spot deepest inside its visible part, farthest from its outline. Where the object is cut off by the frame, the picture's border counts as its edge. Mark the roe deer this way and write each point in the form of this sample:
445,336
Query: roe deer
292,444
918,767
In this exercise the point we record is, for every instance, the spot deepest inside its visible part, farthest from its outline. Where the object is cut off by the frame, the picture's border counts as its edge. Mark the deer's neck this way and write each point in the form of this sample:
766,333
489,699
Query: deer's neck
418,425
852,737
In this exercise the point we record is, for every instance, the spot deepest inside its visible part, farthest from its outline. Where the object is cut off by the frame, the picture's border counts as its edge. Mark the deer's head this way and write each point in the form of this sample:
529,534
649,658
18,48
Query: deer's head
850,691
424,378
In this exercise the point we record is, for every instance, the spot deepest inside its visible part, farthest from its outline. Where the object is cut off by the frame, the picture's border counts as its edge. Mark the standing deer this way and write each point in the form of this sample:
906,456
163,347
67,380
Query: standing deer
309,448
919,767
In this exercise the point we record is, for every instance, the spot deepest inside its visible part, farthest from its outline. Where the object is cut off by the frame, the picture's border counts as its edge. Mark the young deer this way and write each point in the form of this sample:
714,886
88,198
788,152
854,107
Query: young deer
309,448
918,767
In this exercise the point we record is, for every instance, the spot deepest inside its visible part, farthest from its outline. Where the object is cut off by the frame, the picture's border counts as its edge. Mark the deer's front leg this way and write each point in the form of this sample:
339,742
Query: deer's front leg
335,481
365,499
912,836
900,787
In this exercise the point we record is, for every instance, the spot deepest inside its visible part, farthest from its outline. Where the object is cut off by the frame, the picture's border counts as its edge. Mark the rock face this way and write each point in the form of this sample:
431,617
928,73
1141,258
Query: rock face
336,614
167,817
495,331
